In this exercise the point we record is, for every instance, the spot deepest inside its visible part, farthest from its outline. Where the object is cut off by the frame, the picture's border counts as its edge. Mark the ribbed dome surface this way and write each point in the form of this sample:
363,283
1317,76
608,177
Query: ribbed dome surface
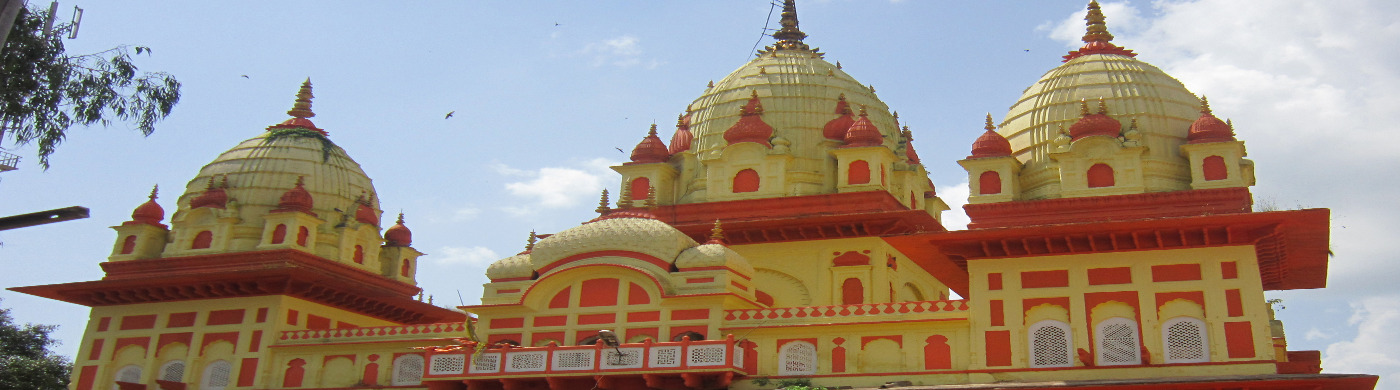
258,173
713,255
517,266
642,235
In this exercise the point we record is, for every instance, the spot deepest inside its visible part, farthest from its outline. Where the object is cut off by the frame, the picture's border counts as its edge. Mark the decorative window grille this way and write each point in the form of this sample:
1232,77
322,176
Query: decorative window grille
707,355
797,358
526,361
1185,340
408,370
447,364
131,374
1117,340
1050,344
173,371
665,357
738,356
486,362
629,358
573,359
216,375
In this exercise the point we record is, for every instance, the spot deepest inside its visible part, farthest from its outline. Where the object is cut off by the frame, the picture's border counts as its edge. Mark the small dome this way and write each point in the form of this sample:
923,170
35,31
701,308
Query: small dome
1208,128
634,234
650,150
513,267
990,144
398,235
680,141
750,127
213,196
836,128
863,133
1095,124
149,213
364,213
713,255
297,199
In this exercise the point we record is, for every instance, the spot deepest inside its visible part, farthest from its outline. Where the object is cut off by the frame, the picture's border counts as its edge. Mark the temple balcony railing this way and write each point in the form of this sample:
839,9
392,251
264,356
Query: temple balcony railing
857,313
713,356
378,333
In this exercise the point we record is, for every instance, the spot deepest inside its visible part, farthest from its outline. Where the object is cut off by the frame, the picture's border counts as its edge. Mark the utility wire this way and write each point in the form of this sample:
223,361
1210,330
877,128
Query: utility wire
771,7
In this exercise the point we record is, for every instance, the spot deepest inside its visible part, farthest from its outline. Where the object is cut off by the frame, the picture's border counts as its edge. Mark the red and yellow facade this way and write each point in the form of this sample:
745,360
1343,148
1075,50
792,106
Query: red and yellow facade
788,230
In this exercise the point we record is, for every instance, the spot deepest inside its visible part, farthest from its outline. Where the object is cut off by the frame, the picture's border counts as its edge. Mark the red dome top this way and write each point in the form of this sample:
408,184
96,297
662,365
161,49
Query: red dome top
296,199
149,213
650,150
1208,128
364,213
398,235
990,144
750,127
1095,124
213,196
680,141
300,111
863,133
909,152
836,128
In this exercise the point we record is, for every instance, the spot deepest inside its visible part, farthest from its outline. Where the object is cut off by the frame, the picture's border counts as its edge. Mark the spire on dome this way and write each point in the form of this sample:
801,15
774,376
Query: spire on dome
398,235
603,203
650,203
909,152
1094,124
750,127
863,132
680,141
716,234
836,128
213,196
991,143
789,36
1209,128
301,110
650,150
149,213
1097,39
296,199
530,242
624,198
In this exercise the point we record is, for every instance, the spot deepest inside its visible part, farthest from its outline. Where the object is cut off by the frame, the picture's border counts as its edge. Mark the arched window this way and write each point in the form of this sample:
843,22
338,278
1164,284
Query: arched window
128,374
403,270
128,245
692,335
408,370
1117,342
746,181
989,183
1213,168
173,371
852,292
279,234
1185,340
359,255
302,234
202,240
797,358
858,172
1100,175
294,374
216,375
1050,344
640,187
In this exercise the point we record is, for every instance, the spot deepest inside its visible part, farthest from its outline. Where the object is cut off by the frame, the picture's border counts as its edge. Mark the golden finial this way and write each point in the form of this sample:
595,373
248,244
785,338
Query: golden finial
862,111
680,120
154,190
400,221
211,184
1103,107
789,36
651,197
762,71
830,72
1132,124
838,64
1231,124
990,126
1097,30
1083,107
652,132
302,107
711,84
717,233
908,135
602,203
224,182
530,242
624,198
1205,105
872,88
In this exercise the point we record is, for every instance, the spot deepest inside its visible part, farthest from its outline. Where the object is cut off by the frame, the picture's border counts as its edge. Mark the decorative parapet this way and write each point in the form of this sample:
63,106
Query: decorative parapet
379,333
684,356
897,311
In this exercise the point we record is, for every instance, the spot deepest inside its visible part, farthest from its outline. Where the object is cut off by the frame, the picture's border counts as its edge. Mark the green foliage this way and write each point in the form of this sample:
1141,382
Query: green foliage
44,91
25,361
797,384
762,381
326,145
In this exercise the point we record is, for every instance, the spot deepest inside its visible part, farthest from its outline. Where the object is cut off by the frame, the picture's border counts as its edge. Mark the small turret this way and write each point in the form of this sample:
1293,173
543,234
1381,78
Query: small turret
990,144
398,235
750,127
296,199
1208,128
149,213
650,150
836,128
863,133
1091,124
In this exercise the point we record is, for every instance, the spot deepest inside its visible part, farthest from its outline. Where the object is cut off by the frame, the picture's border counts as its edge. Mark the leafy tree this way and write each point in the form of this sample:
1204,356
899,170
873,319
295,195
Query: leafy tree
25,361
44,91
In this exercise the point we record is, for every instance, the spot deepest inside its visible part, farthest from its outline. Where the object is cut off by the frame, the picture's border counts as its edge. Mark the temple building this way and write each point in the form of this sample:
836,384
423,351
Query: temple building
787,231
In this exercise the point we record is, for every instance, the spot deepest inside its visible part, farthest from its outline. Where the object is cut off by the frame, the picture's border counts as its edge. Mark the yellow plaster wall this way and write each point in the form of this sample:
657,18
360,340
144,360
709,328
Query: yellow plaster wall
809,263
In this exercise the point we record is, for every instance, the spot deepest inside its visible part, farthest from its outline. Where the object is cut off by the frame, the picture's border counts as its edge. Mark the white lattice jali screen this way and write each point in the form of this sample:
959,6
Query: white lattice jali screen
569,360
629,358
665,357
1050,346
408,370
706,355
447,364
526,361
1118,344
797,358
487,362
1186,341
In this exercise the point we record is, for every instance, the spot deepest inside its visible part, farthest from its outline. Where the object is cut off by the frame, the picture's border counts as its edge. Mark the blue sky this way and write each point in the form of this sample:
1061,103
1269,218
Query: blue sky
544,91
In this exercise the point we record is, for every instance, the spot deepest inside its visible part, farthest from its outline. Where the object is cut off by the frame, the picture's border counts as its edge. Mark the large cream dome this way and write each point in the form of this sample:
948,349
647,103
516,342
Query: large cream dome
642,235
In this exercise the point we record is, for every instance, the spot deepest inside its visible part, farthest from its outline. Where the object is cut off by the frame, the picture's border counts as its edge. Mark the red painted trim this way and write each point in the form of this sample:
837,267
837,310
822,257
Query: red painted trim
1176,272
653,333
644,316
103,324
719,268
317,322
225,317
561,298
255,343
699,280
998,348
799,218
594,319
87,376
692,314
599,292
738,285
1229,270
536,337
1107,276
143,342
841,324
994,281
551,321
210,338
138,322
637,295
1109,208
262,315
180,320
507,323
96,352
507,291
897,339
1234,306
1193,296
1239,339
998,312
1045,279
170,338
1027,304
616,253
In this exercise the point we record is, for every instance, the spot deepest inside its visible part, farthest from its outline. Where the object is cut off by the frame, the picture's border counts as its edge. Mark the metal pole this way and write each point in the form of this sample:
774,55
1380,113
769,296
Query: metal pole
8,12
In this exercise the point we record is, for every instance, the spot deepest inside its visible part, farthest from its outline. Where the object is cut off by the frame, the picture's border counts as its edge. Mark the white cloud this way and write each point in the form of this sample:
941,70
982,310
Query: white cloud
1121,18
1317,334
557,187
1373,349
624,51
956,196
465,213
474,256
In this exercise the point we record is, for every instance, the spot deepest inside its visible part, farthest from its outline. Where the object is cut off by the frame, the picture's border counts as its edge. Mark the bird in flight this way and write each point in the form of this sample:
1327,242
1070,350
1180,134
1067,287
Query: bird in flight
245,76
619,150
449,114
556,24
